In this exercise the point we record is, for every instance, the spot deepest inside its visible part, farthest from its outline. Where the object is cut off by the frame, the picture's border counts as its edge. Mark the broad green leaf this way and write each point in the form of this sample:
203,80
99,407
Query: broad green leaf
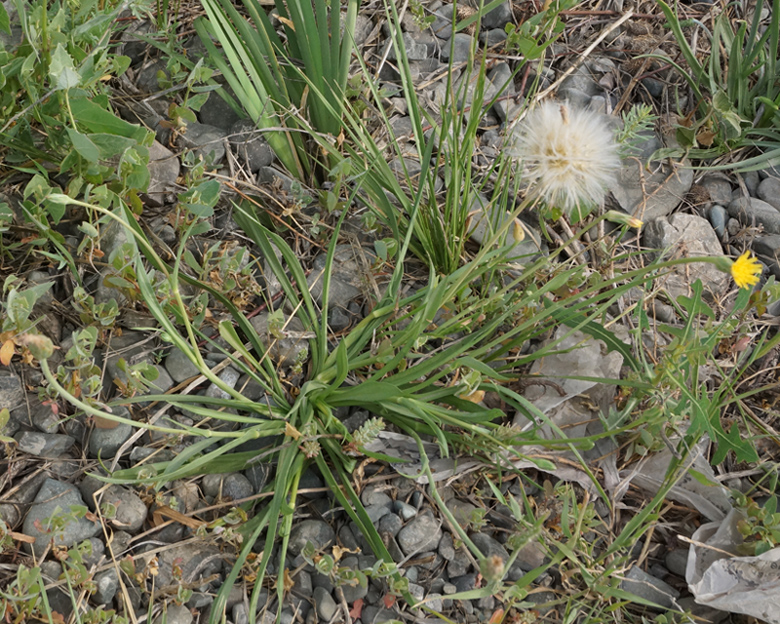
95,118
61,71
84,146
5,22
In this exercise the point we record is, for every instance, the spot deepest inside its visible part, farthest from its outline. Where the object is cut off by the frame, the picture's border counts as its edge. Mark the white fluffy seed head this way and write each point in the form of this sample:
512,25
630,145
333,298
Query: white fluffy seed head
569,155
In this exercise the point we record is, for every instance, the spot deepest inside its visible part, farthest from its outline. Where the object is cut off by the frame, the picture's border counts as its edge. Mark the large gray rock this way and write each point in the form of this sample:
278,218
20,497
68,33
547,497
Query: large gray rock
51,518
250,145
684,235
753,212
11,390
769,191
653,191
348,275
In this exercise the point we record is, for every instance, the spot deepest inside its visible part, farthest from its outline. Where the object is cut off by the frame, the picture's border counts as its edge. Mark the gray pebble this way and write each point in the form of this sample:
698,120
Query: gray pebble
405,510
107,586
131,511
237,486
179,366
174,615
105,442
326,606
43,444
391,524
718,216
319,533
422,533
677,561
11,391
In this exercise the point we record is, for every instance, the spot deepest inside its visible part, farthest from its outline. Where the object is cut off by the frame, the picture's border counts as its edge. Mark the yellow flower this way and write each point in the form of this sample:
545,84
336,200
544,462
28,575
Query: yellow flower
746,270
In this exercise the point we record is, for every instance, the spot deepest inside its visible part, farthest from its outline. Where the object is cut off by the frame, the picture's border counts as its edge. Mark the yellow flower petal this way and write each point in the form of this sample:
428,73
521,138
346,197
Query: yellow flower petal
746,271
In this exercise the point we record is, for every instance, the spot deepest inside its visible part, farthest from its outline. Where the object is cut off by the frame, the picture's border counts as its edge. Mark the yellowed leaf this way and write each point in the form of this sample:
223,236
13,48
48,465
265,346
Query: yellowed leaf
7,352
291,431
474,397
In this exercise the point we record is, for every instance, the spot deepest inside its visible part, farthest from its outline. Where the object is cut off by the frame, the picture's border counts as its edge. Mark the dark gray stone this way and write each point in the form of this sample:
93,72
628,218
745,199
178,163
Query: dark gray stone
642,584
218,113
43,444
105,442
390,524
319,533
179,366
718,188
11,391
207,142
236,487
131,512
422,533
458,49
326,606
676,561
250,145
718,216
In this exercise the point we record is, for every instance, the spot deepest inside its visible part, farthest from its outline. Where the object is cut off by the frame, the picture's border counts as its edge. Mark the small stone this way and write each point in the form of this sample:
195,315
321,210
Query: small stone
105,442
174,614
750,179
769,191
718,216
422,533
405,510
447,547
390,524
11,391
459,53
654,193
319,533
43,444
179,366
44,419
55,499
326,606
207,142
163,172
250,145
718,188
236,487
676,561
376,512
650,588
218,113
694,236
106,587
131,512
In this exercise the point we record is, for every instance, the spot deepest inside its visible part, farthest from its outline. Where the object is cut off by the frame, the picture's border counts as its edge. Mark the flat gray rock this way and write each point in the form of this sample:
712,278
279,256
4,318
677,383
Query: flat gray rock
43,444
54,500
651,194
684,235
11,390
752,211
